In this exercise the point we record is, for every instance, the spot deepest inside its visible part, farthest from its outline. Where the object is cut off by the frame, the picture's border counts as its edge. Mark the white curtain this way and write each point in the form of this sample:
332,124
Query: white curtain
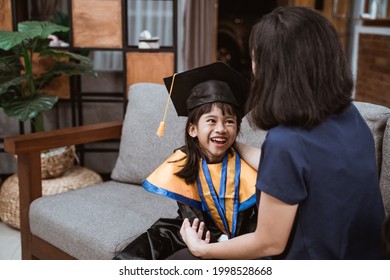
107,61
44,10
200,25
154,16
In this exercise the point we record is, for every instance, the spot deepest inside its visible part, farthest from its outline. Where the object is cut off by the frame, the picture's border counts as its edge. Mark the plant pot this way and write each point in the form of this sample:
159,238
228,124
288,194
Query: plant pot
56,162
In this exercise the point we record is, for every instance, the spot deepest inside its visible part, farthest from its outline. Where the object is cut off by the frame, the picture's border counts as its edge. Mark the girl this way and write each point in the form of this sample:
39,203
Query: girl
206,176
317,185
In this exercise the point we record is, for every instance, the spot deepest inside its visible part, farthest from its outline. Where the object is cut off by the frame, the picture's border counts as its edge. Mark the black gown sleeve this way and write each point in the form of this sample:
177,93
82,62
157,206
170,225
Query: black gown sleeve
191,213
163,238
160,241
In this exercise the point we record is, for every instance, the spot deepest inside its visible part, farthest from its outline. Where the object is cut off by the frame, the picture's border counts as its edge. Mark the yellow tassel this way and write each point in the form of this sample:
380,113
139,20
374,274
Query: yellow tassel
160,130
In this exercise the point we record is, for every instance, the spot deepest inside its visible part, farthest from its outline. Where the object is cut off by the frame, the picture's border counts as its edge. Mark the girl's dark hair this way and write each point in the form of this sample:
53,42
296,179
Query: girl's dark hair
301,74
192,148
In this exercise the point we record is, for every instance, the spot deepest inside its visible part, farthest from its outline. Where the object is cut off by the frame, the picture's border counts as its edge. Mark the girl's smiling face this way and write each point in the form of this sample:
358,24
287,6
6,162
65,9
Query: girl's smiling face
216,133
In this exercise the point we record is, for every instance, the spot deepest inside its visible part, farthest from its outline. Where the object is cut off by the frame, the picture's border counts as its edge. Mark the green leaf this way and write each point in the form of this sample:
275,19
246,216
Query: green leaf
82,59
38,44
40,28
28,101
27,108
28,30
65,68
71,69
12,82
9,39
10,64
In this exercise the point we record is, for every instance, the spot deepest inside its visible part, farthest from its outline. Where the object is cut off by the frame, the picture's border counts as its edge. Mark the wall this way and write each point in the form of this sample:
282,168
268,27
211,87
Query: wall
373,67
369,56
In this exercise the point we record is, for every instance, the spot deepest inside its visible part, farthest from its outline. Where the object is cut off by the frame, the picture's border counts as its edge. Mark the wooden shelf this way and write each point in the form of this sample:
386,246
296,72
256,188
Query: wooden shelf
382,22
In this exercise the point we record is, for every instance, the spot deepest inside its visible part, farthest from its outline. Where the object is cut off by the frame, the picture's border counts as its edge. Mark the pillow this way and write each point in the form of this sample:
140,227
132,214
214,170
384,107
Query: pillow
141,150
376,117
250,136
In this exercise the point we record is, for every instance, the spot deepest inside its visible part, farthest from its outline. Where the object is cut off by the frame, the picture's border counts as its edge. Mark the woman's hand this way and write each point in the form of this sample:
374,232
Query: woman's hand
192,236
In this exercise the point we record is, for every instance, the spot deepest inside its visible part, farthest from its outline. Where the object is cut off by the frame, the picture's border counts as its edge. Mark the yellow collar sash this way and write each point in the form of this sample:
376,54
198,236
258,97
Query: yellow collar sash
221,190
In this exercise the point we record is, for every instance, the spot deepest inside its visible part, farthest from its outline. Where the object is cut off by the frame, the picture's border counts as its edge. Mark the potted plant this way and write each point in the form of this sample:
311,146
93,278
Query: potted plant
23,89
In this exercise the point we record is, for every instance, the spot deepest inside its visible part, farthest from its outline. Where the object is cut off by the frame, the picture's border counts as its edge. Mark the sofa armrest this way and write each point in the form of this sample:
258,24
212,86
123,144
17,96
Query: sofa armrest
40,141
28,148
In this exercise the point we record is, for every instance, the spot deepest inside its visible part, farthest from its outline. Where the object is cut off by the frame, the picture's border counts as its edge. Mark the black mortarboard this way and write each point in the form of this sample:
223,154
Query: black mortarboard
215,82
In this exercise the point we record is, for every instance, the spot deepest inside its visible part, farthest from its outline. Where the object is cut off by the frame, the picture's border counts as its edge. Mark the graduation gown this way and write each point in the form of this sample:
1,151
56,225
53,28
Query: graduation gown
223,197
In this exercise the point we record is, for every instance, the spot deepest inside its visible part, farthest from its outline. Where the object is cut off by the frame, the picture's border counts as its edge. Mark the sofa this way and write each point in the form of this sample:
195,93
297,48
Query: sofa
96,222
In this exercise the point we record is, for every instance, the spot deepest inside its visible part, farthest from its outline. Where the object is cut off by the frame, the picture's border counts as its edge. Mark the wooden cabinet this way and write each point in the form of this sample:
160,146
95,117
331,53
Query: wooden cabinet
149,67
5,15
97,23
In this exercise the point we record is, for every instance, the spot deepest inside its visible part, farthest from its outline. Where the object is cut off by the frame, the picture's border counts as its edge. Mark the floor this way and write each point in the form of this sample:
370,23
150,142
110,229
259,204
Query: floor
10,248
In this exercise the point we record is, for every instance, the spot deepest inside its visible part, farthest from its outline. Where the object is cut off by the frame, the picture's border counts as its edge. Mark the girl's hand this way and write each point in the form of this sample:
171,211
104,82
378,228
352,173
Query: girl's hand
192,236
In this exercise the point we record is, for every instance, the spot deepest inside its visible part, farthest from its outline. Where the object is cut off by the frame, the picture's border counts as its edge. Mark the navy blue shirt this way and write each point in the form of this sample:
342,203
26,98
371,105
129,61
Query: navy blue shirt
331,172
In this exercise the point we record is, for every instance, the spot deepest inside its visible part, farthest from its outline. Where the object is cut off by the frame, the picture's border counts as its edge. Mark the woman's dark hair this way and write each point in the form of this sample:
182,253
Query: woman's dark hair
192,148
301,75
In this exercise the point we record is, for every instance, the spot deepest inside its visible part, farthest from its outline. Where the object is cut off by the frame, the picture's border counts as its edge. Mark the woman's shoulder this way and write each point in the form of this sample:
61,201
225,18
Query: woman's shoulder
283,133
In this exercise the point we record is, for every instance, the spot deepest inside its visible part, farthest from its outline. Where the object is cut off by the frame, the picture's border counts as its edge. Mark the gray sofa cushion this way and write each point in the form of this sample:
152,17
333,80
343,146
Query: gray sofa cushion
250,136
385,174
141,150
94,222
376,117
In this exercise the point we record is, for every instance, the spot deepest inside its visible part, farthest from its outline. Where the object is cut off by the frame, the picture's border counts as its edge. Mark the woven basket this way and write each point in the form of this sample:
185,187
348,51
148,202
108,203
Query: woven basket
77,177
56,162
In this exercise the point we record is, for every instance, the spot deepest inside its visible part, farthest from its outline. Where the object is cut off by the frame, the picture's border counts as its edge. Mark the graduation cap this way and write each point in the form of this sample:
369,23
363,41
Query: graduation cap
215,82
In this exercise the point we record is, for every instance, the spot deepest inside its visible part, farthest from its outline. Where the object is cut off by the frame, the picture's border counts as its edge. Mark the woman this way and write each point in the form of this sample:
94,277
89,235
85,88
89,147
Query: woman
317,186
